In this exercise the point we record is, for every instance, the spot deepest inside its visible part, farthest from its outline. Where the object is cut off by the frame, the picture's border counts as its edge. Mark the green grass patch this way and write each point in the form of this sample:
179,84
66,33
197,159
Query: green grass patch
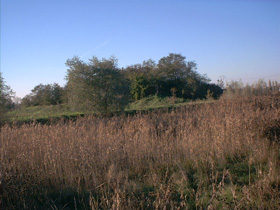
156,102
42,114
45,114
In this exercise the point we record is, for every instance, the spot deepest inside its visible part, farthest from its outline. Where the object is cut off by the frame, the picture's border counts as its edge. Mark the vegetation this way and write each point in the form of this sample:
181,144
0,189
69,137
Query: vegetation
6,95
172,76
179,151
51,94
259,88
44,114
41,114
156,102
98,85
222,155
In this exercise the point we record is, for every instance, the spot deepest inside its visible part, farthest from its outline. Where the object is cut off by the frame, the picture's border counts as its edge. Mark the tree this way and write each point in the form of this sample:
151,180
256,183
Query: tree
142,79
6,96
173,67
139,85
175,72
97,86
171,73
27,101
41,95
50,94
56,94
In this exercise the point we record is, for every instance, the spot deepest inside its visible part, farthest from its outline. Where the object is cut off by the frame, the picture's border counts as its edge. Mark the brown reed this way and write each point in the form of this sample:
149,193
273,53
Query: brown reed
210,156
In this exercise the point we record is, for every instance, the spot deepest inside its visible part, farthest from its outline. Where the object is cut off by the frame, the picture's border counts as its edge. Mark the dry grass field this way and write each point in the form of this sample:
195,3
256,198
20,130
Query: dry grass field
222,155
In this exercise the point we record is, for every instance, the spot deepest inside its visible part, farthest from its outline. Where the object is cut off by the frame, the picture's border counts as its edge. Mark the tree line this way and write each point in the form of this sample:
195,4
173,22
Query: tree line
99,85
259,88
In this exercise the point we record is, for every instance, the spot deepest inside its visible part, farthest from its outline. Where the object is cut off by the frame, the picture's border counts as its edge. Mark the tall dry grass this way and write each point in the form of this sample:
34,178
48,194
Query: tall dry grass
210,156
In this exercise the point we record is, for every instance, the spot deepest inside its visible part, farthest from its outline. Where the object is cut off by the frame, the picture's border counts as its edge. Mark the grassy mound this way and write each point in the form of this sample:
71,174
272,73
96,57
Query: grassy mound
45,114
41,114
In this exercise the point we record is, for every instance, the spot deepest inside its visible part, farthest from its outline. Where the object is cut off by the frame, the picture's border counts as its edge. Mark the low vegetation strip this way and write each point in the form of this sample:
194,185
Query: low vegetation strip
53,113
156,102
222,155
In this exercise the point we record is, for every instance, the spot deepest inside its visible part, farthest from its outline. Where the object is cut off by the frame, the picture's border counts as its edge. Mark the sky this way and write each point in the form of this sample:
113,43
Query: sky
230,39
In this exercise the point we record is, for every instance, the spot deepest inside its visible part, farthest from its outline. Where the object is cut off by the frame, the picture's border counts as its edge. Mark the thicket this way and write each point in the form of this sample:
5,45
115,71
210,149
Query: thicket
101,86
223,155
171,76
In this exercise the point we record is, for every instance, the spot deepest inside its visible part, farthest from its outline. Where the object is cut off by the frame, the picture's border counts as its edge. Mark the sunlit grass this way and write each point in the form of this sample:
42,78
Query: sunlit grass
44,113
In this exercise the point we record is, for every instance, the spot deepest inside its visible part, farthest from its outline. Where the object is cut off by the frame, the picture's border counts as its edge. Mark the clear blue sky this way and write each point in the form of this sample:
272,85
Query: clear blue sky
238,39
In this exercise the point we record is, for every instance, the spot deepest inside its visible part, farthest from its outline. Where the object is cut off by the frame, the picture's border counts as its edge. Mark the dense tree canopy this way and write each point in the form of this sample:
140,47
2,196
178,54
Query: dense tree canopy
50,94
98,85
172,76
142,79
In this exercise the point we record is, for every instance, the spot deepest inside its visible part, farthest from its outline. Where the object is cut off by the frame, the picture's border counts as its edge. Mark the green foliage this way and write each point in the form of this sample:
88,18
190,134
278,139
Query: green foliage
142,79
156,102
50,94
43,114
97,86
175,72
6,95
139,86
150,102
101,87
26,114
51,113
171,73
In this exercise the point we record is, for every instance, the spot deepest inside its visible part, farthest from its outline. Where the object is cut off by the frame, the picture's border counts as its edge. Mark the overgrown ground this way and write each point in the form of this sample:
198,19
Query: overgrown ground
209,156
44,114
155,102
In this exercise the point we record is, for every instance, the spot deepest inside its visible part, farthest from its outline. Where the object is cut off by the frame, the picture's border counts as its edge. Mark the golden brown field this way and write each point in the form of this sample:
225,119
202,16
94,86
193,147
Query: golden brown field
223,155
